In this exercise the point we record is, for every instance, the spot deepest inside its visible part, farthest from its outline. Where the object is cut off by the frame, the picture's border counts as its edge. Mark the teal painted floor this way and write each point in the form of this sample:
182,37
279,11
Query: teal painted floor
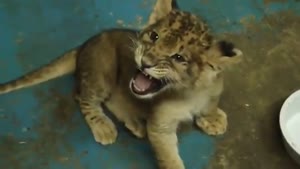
41,127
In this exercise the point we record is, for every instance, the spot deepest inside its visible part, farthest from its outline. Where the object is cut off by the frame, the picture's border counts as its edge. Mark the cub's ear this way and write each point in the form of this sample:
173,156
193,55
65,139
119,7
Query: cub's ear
229,53
223,54
161,9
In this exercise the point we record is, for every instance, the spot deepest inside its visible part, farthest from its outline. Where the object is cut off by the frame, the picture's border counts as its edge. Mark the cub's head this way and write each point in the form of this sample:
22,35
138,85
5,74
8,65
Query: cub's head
176,51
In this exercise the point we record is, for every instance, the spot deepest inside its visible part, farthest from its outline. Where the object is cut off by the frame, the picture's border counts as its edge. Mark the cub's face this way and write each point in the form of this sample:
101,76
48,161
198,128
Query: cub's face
174,53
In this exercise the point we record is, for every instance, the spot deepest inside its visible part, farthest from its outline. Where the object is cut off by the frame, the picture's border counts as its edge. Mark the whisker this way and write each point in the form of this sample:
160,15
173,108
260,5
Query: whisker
132,48
133,40
168,80
138,68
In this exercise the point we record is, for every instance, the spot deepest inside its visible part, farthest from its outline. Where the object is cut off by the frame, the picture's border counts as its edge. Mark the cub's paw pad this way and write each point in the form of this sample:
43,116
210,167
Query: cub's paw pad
214,124
104,131
137,127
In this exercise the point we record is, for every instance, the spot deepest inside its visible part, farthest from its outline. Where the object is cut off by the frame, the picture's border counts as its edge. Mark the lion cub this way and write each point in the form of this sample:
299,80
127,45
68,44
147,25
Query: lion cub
169,72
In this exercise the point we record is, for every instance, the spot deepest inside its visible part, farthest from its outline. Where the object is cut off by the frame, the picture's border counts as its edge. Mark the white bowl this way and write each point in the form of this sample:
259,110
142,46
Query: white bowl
290,125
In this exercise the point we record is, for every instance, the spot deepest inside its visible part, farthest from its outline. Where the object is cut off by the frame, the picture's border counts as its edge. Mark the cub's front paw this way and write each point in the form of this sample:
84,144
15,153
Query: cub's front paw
104,130
214,123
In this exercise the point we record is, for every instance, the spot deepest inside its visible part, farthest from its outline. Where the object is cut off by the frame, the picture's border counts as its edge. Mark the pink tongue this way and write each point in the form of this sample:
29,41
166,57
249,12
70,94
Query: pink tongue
142,82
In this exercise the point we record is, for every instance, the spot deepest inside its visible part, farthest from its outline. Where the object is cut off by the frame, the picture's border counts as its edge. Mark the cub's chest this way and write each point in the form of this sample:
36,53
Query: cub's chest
198,102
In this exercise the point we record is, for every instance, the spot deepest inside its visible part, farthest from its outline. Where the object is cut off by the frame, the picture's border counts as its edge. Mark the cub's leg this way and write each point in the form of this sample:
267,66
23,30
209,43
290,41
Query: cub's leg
96,76
103,129
90,95
212,120
163,139
129,111
136,126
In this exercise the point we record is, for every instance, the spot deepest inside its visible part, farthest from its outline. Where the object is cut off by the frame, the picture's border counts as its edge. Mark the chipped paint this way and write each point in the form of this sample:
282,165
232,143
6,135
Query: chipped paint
137,24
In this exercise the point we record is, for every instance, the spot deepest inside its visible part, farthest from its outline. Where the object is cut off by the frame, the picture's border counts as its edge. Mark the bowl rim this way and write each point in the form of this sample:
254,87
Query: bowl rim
281,123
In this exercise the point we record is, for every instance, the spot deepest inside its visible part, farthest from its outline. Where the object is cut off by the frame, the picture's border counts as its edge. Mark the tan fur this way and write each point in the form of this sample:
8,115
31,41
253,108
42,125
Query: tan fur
192,95
59,67
105,65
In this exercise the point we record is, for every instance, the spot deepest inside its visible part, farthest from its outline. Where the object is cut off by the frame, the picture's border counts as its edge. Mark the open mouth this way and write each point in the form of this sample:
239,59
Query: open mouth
143,84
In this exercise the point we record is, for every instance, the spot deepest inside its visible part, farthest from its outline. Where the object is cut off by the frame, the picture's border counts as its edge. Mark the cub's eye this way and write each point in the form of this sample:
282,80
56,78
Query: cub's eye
178,58
153,36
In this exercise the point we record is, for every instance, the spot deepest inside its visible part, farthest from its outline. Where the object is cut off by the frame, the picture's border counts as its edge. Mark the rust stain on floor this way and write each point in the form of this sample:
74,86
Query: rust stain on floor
255,91
267,2
54,124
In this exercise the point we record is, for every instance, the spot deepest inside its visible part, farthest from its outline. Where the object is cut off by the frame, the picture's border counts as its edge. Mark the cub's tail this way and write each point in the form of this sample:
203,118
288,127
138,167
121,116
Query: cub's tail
61,66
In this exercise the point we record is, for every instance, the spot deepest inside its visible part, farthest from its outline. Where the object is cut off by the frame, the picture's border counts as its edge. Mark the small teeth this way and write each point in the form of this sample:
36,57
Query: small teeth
145,73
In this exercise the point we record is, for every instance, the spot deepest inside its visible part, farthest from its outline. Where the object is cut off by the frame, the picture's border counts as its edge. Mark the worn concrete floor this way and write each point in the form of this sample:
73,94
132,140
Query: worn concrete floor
255,91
